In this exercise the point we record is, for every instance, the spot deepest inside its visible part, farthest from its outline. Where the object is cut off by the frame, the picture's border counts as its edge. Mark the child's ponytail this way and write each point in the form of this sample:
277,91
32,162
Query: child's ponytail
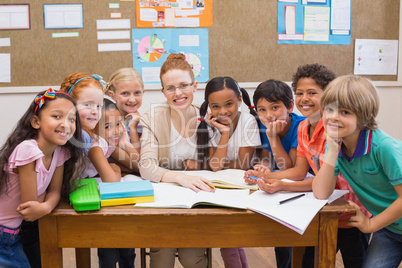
202,136
246,100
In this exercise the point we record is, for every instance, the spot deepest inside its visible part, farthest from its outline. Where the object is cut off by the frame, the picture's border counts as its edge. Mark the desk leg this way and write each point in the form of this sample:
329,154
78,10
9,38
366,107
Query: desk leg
83,257
327,241
51,254
297,257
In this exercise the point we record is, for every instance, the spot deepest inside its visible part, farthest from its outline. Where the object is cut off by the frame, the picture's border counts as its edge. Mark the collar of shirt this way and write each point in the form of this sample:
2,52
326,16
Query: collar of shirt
363,146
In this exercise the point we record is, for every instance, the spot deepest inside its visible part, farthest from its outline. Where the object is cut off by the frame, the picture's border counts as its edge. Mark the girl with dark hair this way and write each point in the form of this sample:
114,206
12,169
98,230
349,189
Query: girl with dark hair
38,162
227,139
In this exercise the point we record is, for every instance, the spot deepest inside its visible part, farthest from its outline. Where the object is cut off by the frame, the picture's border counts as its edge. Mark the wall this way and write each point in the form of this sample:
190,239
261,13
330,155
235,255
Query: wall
12,106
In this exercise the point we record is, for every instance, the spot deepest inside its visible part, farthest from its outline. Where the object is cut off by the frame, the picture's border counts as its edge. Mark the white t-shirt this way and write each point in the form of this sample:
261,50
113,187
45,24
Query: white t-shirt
181,148
246,134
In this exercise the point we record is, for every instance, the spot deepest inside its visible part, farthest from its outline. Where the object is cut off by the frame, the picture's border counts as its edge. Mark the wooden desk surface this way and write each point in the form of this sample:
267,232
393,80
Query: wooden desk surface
125,226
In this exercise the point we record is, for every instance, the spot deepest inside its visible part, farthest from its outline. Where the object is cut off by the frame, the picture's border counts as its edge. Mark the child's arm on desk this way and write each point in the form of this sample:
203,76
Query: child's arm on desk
273,186
297,173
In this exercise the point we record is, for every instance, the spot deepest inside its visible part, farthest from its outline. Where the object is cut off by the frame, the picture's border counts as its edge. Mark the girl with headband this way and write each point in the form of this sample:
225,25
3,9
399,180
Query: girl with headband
38,161
87,90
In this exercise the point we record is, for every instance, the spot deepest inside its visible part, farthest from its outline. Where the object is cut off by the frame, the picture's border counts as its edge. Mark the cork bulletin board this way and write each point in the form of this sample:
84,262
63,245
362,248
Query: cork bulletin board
242,42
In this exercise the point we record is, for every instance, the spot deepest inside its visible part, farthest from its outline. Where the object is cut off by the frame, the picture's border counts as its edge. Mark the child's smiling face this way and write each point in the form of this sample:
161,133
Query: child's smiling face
128,96
269,112
224,105
340,123
307,96
112,129
89,105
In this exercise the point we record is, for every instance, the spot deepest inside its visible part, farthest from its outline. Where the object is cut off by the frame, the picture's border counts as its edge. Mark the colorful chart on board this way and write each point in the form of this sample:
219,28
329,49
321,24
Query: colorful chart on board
152,46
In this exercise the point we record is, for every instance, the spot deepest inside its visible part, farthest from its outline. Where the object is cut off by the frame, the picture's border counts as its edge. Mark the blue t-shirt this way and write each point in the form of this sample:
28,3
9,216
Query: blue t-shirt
139,130
376,166
289,141
87,141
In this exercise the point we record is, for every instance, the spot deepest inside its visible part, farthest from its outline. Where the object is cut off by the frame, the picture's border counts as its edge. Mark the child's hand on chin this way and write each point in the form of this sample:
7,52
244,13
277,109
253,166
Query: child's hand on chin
334,143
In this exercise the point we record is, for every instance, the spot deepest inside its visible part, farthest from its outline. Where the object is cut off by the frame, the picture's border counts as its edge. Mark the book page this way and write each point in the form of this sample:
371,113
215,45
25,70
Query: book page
170,196
236,198
296,214
227,178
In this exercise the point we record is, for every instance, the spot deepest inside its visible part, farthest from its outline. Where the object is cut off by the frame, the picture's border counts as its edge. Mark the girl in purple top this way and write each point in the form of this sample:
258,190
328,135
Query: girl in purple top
38,161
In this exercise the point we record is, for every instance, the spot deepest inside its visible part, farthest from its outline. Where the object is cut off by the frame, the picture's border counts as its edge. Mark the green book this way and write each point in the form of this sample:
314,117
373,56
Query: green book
86,196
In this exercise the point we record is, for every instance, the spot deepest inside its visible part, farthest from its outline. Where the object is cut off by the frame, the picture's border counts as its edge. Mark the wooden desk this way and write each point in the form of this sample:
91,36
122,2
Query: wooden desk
128,227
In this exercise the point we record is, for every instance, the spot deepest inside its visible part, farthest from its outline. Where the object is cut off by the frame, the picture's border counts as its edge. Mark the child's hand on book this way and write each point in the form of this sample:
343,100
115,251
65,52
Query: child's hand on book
250,180
270,185
258,171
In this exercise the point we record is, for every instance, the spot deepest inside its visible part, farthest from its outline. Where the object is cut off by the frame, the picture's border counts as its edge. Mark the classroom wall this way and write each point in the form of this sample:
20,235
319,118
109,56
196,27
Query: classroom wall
12,106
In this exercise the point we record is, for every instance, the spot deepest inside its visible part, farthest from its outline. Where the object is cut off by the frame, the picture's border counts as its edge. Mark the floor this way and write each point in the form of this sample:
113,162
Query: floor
257,257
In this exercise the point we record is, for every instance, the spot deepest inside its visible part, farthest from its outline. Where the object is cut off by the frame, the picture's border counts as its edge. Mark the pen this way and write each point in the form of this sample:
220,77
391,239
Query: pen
291,198
252,177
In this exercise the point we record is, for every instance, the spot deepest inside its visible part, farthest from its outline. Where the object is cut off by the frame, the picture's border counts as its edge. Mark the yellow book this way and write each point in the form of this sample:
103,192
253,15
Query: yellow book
126,201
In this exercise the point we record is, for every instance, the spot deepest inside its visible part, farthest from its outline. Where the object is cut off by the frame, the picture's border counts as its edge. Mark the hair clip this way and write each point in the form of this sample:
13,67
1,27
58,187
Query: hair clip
251,107
201,119
40,99
100,79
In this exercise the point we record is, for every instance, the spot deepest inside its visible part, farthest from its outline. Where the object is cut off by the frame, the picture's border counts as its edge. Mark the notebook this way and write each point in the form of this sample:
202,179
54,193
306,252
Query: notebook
126,201
226,178
122,189
172,196
296,214
86,196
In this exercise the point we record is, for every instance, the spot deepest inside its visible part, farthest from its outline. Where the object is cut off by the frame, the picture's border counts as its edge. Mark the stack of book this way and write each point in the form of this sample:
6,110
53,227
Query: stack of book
125,192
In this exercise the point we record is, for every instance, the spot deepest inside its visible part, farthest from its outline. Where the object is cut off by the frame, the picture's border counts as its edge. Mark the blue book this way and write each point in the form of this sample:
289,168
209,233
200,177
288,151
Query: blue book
110,190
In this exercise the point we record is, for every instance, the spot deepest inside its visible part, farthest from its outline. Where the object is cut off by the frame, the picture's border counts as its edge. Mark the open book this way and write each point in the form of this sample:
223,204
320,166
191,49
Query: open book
295,214
172,196
226,178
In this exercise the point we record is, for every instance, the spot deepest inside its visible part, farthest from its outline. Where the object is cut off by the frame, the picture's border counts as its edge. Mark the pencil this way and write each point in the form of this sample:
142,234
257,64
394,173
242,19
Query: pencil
210,185
291,198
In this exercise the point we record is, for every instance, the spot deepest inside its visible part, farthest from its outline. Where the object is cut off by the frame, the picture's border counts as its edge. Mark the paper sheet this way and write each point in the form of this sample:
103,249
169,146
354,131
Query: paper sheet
103,47
340,16
14,16
63,16
316,23
5,42
5,68
113,24
110,35
376,57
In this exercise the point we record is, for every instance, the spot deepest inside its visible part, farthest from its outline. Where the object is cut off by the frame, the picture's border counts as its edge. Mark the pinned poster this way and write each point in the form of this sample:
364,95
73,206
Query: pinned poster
174,13
314,22
152,46
14,17
63,16
376,57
